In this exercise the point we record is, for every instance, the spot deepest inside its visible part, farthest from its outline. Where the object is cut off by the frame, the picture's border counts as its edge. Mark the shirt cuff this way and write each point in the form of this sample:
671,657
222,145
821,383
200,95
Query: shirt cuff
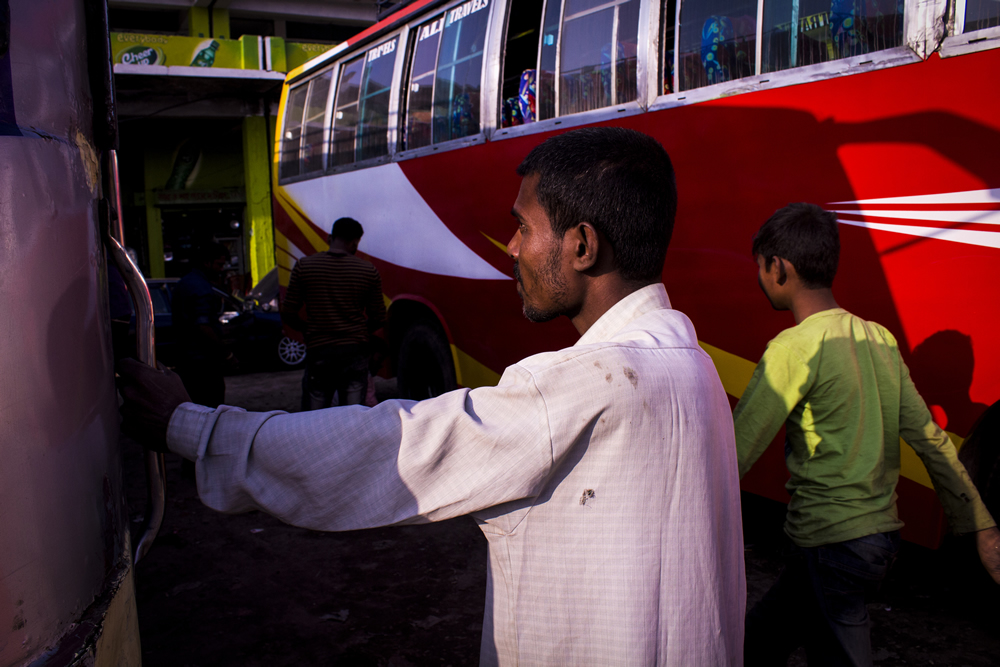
187,423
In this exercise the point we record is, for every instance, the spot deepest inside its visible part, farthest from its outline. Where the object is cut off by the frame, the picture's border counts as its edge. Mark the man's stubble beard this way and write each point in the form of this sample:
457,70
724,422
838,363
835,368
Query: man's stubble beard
550,277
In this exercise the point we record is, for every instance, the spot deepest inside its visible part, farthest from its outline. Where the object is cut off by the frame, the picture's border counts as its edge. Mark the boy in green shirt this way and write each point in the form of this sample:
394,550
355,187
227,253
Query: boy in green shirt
839,385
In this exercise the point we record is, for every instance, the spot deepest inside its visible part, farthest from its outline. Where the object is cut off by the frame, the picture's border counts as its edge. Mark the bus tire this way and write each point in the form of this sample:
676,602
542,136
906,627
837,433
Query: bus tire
425,367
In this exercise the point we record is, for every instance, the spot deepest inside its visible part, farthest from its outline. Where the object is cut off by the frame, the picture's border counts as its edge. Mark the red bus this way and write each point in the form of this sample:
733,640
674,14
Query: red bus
881,110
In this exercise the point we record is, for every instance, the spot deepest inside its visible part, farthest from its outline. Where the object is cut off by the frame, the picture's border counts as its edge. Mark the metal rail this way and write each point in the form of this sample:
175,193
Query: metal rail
156,478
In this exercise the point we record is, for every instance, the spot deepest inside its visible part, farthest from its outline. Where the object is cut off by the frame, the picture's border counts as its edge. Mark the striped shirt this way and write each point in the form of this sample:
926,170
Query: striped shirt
342,295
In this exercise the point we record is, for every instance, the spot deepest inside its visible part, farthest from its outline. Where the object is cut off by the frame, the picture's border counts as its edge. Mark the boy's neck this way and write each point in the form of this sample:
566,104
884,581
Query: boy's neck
808,302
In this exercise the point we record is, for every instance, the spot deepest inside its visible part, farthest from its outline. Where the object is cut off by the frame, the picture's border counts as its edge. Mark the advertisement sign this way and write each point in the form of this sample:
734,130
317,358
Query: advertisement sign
175,50
297,53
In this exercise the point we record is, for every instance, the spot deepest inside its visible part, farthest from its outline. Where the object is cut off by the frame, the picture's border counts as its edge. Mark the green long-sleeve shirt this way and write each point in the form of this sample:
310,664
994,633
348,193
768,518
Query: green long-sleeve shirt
839,385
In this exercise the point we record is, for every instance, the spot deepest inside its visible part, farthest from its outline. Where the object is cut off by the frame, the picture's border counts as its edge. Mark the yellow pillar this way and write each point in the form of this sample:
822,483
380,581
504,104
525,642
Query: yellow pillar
200,26
220,23
154,222
198,22
257,183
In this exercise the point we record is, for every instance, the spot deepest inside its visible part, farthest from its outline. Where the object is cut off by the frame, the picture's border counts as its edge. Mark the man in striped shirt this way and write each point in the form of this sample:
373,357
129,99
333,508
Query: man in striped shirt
342,297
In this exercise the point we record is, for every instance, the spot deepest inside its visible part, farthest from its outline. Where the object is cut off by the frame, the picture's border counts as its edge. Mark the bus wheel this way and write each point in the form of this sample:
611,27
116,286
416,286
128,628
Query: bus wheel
425,368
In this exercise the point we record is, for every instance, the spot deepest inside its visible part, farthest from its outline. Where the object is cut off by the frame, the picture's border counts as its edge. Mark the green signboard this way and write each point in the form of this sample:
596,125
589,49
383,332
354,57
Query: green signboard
297,53
174,50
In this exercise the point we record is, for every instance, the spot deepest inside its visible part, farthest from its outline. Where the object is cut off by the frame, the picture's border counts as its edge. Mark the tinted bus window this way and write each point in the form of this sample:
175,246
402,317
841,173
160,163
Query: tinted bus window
314,124
805,32
718,41
597,65
290,137
669,17
587,58
446,76
361,110
980,14
718,38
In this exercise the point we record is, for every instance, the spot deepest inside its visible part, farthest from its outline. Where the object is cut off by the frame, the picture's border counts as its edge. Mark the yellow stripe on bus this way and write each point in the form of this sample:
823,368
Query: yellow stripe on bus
735,373
470,373
311,236
495,242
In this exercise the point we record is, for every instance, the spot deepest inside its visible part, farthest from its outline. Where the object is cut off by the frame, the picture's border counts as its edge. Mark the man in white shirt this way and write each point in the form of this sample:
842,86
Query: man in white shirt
603,475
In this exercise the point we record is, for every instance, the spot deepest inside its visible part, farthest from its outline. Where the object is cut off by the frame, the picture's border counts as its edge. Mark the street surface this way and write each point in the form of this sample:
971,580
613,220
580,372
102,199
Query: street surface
247,590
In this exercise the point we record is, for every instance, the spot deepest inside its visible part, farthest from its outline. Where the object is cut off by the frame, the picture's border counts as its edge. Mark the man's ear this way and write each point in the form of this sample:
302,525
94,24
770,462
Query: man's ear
782,273
585,244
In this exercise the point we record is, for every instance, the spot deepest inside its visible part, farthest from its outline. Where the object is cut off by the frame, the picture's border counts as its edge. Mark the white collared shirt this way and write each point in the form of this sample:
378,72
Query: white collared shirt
603,476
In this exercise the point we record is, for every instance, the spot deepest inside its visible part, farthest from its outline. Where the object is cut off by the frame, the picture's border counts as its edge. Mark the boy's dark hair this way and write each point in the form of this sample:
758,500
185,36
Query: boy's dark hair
346,229
621,181
805,235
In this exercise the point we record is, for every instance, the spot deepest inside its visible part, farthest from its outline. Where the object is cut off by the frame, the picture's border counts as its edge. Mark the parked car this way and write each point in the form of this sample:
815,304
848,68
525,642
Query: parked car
253,331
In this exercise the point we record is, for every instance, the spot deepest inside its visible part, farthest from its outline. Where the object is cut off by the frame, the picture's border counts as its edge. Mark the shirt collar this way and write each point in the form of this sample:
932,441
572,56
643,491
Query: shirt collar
638,303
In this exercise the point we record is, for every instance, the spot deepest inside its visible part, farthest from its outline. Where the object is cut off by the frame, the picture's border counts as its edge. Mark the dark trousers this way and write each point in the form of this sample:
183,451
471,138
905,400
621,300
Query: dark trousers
340,369
819,600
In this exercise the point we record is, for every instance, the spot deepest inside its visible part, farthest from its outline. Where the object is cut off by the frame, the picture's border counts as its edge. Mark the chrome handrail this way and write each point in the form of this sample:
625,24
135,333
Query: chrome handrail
156,476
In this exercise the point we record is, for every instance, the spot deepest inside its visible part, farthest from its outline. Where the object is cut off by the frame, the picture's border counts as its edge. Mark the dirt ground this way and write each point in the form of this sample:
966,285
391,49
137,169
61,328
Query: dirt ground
248,590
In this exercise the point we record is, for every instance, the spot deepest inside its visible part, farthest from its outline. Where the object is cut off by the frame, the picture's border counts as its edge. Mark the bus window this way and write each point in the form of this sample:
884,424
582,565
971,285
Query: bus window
545,85
669,16
361,110
313,125
519,63
446,76
583,62
718,41
290,138
980,14
805,32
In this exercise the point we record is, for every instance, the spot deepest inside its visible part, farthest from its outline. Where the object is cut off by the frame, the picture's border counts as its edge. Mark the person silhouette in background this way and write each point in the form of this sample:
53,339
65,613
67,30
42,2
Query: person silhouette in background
342,297
202,356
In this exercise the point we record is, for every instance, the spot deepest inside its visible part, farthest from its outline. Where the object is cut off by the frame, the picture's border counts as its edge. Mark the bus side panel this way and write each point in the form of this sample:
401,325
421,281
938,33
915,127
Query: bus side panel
833,142
64,542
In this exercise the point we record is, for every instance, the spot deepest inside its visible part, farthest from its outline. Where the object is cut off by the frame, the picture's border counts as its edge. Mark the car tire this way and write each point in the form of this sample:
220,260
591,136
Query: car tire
291,353
425,367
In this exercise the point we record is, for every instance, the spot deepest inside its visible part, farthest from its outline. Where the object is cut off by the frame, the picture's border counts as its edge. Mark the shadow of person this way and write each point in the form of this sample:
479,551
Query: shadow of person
941,367
981,457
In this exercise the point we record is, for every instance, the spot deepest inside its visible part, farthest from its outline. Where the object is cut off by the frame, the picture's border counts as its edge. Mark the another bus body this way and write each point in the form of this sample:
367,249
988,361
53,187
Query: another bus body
883,111
66,592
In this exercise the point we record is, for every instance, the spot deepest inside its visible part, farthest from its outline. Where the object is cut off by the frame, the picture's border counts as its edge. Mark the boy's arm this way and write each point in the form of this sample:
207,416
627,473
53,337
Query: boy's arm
959,497
964,508
779,382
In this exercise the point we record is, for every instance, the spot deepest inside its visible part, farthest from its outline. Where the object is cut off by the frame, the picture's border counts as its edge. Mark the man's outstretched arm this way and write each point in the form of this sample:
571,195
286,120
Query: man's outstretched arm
356,467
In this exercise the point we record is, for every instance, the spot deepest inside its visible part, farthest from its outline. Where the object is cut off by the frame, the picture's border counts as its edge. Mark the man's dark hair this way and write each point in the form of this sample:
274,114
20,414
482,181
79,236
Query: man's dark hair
346,229
805,235
620,181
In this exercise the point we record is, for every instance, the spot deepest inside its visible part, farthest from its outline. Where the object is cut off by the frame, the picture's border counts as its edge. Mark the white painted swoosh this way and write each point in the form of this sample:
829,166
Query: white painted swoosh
967,197
988,239
400,227
979,217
